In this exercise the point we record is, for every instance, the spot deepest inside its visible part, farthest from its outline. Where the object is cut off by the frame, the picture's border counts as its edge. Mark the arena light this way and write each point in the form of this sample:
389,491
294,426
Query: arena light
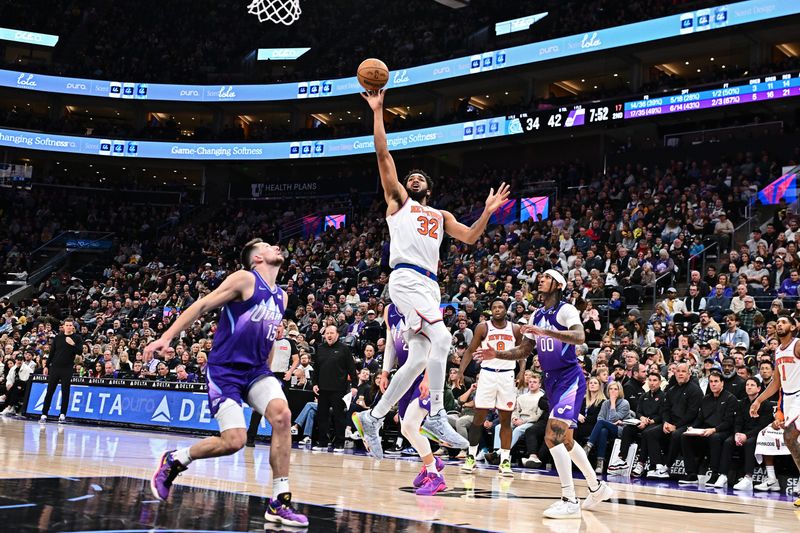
28,37
280,54
520,24
453,4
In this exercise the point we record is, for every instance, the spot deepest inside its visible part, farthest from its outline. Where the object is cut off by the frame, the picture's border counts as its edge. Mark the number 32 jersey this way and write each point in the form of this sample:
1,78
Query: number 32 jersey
415,232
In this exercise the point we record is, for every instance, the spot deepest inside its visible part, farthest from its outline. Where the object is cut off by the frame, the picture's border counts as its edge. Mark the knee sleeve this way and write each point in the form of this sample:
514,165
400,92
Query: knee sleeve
410,428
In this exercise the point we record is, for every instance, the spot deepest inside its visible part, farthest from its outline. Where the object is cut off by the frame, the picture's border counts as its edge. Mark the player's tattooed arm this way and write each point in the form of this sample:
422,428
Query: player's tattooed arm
574,335
523,351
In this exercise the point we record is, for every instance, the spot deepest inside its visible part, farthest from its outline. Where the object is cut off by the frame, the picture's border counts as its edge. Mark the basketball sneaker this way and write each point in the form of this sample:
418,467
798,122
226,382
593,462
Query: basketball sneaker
369,428
469,465
439,426
62,419
595,497
797,503
43,419
432,484
423,474
745,483
661,472
280,511
563,509
768,485
505,469
168,469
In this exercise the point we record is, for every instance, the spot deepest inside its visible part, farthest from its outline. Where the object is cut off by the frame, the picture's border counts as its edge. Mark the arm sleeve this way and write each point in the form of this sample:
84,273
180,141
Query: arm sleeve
389,354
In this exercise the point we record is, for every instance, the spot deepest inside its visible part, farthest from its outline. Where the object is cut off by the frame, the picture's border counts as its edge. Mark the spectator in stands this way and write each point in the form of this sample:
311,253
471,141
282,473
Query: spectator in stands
681,404
731,381
745,434
649,414
723,231
716,420
592,403
17,378
305,420
526,412
733,335
609,423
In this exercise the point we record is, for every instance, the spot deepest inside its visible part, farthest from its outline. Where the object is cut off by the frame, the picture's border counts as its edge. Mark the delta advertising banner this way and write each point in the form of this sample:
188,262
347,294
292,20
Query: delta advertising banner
154,406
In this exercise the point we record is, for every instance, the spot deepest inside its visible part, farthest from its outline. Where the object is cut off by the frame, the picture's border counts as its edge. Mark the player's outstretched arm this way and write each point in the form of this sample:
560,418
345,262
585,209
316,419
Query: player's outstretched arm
471,234
230,289
574,335
393,191
389,355
480,333
523,351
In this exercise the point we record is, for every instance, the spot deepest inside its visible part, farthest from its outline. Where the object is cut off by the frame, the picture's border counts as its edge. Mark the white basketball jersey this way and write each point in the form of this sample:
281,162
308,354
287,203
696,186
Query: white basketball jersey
499,339
788,366
415,233
281,356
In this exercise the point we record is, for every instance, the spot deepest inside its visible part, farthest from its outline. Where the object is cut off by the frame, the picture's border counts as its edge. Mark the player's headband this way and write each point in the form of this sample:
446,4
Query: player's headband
556,275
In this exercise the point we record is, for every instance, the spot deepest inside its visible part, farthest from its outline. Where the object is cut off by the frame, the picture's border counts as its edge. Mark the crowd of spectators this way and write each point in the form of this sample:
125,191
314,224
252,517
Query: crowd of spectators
189,43
614,236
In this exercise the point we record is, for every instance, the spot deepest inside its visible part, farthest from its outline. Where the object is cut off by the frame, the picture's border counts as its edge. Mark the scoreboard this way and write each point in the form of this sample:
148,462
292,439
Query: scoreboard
725,94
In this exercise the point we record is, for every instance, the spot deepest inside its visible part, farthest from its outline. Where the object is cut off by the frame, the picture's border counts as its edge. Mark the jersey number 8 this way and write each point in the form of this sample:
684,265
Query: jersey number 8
428,226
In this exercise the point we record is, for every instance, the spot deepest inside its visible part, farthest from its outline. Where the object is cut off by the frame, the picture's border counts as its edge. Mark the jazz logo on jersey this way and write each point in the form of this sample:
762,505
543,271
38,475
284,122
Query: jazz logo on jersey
266,311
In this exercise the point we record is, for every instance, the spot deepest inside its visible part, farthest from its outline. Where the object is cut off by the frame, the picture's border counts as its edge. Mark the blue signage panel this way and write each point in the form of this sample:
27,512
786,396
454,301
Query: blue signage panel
280,54
165,409
28,37
468,131
593,41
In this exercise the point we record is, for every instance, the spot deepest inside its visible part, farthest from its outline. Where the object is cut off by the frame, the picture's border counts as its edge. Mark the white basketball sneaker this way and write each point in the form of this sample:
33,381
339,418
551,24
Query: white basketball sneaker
603,493
563,509
745,483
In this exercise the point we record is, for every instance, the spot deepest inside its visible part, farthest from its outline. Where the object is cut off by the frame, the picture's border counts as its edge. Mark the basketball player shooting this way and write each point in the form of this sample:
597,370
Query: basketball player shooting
416,231
556,328
787,382
496,387
238,368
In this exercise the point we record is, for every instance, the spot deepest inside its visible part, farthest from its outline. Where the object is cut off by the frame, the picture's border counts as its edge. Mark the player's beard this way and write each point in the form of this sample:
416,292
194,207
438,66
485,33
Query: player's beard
417,196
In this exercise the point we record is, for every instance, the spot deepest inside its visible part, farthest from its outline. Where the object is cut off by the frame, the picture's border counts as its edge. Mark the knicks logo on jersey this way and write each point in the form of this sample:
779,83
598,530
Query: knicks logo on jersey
499,341
266,311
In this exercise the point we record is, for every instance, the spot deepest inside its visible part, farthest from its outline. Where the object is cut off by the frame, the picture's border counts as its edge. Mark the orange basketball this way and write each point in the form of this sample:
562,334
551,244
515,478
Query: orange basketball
373,74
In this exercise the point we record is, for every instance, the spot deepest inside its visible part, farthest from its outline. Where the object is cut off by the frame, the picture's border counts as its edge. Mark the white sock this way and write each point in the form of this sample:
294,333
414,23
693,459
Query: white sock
182,456
504,455
578,456
473,451
279,486
771,471
564,468
431,468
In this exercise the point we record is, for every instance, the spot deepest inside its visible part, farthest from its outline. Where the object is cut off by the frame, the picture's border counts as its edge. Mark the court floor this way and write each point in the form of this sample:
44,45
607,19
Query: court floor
83,478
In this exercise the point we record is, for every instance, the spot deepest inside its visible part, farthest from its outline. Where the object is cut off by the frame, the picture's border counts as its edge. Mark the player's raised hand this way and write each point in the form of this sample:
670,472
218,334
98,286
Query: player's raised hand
484,354
374,99
496,199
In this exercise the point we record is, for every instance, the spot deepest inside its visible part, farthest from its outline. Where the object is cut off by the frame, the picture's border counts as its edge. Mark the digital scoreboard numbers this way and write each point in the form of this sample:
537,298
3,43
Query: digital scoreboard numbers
570,117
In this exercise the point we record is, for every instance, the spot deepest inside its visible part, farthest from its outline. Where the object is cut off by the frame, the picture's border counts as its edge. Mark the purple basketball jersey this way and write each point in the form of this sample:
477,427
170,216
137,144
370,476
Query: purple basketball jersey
553,354
246,330
397,324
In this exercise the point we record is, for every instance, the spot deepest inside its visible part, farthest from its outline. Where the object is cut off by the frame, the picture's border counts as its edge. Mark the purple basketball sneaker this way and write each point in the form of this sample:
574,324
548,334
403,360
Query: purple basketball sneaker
433,483
423,474
168,469
281,512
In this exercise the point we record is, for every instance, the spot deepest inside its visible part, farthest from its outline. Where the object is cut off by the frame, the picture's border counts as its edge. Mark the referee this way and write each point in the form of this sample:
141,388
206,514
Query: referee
65,346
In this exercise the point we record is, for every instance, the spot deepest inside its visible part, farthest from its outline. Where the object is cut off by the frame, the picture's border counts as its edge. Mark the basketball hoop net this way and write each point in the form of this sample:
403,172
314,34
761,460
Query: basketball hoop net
278,11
